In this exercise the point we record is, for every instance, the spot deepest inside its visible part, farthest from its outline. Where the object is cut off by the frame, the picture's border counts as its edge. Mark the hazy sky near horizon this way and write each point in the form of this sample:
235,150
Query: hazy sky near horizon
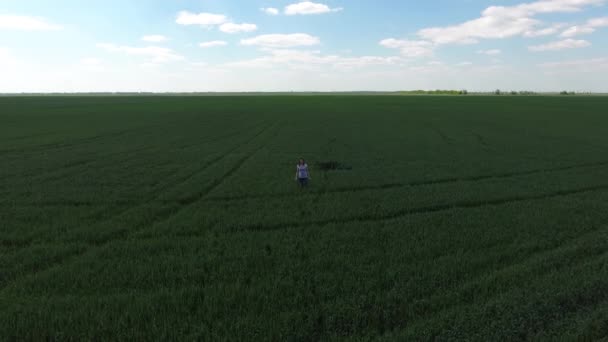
289,45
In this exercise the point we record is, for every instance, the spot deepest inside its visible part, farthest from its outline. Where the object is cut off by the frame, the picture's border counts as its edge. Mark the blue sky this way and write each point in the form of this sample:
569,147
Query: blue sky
290,45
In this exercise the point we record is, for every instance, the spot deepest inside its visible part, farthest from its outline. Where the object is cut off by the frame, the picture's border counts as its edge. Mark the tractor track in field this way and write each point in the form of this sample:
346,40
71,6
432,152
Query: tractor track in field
114,205
589,298
481,140
175,183
118,208
444,137
315,194
68,167
75,142
425,210
65,144
51,175
217,182
75,164
23,137
539,260
537,266
221,157
160,190
446,180
76,203
218,138
183,203
158,218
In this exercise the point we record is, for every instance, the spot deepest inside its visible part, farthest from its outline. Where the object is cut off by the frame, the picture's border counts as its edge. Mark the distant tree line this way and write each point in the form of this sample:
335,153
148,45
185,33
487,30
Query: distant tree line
500,92
465,92
435,92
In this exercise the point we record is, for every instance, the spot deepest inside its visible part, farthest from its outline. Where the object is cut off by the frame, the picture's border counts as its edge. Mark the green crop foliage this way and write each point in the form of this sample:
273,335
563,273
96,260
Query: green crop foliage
427,218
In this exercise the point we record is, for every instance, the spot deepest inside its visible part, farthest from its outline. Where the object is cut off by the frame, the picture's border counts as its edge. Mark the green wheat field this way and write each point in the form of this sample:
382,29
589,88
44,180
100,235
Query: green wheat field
427,218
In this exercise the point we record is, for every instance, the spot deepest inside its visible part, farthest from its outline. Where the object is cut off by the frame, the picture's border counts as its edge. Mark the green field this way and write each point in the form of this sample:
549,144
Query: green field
178,218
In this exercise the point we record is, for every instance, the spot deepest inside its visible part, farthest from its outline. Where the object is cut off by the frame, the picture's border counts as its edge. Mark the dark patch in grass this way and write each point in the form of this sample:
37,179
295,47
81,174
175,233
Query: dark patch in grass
332,165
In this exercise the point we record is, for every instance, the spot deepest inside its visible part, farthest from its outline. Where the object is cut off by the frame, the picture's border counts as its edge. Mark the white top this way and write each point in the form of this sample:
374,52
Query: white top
302,171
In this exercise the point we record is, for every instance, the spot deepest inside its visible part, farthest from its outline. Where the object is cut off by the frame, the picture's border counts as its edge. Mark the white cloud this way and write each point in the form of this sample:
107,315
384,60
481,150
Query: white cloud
581,65
583,69
211,20
154,54
154,38
311,60
409,48
503,21
464,64
560,45
326,77
92,64
576,31
149,65
598,22
7,59
199,64
307,7
90,61
365,61
587,28
26,23
202,19
282,40
4,51
541,32
492,52
236,28
213,43
270,10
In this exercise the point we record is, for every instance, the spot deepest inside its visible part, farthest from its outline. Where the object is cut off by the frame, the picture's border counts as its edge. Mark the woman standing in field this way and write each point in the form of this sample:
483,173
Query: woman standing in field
302,174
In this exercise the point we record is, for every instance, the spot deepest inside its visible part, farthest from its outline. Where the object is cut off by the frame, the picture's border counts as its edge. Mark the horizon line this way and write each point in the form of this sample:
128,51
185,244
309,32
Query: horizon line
371,92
